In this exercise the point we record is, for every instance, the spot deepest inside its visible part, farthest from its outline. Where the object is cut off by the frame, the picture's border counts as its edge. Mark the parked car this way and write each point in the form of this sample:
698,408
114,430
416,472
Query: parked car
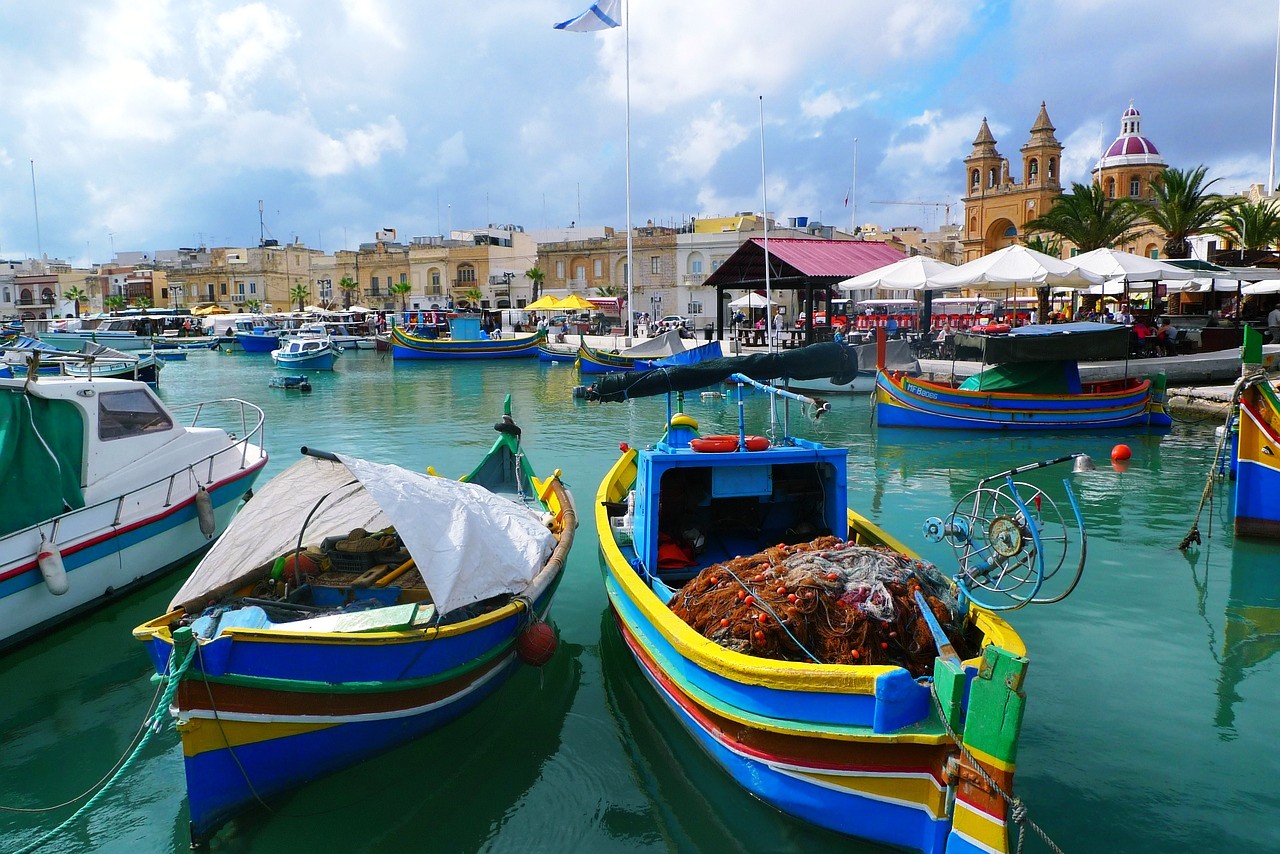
672,321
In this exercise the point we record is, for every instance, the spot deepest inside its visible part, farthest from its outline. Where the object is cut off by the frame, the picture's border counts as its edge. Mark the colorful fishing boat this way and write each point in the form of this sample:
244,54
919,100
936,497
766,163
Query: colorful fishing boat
595,361
466,341
1034,385
1257,451
556,353
356,606
257,337
306,353
106,488
715,552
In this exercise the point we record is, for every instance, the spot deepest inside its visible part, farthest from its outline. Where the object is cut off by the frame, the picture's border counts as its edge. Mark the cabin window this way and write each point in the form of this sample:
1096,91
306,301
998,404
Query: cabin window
122,414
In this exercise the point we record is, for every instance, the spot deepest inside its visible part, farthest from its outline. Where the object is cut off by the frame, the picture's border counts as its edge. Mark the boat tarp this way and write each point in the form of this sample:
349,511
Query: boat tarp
1028,378
467,543
817,361
897,356
41,459
1051,342
666,344
694,355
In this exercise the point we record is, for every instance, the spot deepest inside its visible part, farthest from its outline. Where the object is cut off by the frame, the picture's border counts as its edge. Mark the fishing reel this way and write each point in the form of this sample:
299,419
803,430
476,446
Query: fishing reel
1011,540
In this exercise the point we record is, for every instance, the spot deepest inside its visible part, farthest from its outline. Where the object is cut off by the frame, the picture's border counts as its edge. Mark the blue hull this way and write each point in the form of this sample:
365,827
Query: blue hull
323,362
405,346
251,343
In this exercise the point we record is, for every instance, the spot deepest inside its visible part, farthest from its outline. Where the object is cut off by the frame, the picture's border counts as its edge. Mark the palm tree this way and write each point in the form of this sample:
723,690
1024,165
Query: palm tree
535,275
113,303
142,302
1049,246
253,305
401,289
300,293
1183,207
1087,218
1249,225
348,286
76,295
473,297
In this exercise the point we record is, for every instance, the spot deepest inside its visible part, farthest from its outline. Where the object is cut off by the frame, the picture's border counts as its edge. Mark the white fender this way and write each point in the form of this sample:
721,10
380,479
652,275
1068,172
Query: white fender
50,561
204,511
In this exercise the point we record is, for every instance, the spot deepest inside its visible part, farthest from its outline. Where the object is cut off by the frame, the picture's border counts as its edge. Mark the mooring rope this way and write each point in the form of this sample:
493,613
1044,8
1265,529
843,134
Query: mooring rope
1017,809
1193,535
183,659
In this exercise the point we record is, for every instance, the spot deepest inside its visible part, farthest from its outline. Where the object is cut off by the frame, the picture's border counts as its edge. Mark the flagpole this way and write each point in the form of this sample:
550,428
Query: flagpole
626,33
1275,95
853,224
764,200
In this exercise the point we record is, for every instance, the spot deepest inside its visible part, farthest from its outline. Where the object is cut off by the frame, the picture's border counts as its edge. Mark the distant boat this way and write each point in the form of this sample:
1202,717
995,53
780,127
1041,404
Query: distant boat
100,361
259,337
1034,385
115,488
466,341
306,352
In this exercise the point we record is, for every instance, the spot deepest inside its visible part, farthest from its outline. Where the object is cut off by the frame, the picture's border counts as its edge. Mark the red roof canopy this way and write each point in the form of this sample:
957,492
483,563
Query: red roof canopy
797,263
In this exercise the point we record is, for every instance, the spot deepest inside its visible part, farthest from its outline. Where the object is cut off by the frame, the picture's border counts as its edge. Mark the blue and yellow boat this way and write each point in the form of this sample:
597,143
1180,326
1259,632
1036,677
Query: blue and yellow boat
1034,385
594,361
861,744
1257,454
355,606
466,341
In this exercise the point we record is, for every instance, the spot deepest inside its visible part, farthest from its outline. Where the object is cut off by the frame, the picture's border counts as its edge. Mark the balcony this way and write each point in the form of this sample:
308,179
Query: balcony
237,299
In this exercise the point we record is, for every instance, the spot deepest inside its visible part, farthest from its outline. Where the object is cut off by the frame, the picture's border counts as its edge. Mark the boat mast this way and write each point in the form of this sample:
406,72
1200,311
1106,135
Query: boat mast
764,201
1275,96
626,34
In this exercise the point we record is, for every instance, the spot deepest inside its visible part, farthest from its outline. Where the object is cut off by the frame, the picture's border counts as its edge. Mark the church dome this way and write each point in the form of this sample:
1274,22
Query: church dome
1131,148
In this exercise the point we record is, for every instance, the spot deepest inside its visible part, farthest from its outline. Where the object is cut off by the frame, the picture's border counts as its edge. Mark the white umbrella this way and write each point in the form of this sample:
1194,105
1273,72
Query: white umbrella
1014,267
1120,267
1261,288
751,300
907,274
359,309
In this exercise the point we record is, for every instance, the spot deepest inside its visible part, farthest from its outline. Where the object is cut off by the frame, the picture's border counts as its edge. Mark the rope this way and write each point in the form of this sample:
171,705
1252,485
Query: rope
1193,535
1017,809
154,724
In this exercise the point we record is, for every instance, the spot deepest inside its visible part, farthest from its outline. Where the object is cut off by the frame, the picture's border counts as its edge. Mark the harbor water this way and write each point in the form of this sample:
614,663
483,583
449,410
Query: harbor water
1152,694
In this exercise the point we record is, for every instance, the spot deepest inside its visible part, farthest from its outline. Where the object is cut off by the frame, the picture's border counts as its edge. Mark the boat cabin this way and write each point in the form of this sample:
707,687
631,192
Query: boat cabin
697,508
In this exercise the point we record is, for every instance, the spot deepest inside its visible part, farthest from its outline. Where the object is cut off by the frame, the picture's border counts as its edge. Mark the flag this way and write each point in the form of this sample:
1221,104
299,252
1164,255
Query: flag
846,199
601,16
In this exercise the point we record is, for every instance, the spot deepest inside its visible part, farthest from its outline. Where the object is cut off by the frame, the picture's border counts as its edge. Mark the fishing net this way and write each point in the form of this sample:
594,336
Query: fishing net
828,600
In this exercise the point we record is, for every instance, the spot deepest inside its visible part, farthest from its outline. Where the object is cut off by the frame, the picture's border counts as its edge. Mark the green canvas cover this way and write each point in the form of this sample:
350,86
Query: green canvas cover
1027,378
41,459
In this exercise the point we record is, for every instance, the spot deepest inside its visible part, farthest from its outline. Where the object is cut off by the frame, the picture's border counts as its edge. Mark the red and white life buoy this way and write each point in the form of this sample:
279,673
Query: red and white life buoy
725,444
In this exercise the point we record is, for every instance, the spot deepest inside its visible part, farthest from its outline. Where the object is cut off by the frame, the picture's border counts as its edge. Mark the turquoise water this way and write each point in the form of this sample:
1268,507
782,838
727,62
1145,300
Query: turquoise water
1152,693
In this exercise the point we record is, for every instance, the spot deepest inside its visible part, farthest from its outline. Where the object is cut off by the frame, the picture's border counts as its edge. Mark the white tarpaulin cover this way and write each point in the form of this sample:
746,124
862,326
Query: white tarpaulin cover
468,543
751,300
666,344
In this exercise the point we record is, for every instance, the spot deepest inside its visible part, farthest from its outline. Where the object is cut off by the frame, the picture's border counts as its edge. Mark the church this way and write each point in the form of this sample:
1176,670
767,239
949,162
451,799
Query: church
997,208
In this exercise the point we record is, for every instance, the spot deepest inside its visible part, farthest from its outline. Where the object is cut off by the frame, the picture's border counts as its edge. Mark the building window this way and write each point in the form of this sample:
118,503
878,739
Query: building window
435,281
1033,170
655,264
1212,246
404,277
1074,251
1011,231
695,308
466,273
164,293
253,287
1053,162
1111,188
994,178
580,273
374,284
559,269
1155,254
597,268
976,178
1135,187
715,265
6,295
222,288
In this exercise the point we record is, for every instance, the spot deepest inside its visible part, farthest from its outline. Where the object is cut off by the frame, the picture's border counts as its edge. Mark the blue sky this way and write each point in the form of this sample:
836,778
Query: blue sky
159,124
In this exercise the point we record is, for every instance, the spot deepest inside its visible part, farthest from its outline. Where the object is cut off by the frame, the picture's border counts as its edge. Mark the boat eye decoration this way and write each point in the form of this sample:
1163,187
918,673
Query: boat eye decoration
1011,540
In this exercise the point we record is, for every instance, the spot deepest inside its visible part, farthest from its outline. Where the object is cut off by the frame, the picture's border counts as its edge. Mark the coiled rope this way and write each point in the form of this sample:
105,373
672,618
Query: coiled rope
1017,809
179,662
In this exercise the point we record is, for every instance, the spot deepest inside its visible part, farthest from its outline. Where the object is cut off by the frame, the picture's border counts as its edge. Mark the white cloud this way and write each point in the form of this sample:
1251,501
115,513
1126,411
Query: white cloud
374,19
246,44
831,102
696,152
292,142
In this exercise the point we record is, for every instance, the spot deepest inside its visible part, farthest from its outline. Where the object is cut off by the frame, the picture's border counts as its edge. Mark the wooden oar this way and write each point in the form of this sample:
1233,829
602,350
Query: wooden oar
394,574
945,649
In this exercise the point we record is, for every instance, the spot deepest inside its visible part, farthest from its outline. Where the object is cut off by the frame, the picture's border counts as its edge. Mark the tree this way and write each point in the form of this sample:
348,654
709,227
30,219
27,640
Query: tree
401,289
300,293
1183,207
1052,247
348,287
113,303
253,305
535,275
75,295
1249,225
1087,218
472,296
142,302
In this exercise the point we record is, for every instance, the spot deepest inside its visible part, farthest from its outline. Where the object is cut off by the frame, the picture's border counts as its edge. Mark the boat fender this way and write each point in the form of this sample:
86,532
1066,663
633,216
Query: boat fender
50,561
724,444
536,644
204,511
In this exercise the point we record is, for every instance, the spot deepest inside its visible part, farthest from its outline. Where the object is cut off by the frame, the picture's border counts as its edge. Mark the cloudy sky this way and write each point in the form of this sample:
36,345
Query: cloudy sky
156,124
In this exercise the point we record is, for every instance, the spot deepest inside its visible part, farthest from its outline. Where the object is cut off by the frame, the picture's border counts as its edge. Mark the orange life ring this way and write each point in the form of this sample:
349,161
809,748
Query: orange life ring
725,444
991,328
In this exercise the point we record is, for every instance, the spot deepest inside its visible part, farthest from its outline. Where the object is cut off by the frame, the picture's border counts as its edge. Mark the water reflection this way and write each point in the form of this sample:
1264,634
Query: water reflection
1251,627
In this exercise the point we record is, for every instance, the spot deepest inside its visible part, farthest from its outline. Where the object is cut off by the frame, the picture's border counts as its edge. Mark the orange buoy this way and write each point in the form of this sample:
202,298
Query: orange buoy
1121,452
306,565
723,444
536,644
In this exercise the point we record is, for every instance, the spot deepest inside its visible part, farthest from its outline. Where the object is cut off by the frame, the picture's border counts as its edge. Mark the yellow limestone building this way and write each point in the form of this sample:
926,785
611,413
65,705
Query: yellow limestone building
996,208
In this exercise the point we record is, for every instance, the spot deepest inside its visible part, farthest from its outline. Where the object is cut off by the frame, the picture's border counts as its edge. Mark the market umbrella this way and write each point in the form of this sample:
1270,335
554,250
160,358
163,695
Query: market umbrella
908,274
751,300
205,310
1013,267
359,309
1125,267
573,302
545,302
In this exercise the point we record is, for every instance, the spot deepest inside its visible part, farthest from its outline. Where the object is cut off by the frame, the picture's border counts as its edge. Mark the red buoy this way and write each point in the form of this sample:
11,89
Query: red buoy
536,644
306,566
1121,452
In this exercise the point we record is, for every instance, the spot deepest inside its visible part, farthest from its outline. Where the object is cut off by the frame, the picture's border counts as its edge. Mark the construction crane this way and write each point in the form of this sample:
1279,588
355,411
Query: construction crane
946,206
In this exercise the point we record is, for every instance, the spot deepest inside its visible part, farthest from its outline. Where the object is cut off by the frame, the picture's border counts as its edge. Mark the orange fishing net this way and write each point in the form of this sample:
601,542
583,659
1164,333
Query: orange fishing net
828,600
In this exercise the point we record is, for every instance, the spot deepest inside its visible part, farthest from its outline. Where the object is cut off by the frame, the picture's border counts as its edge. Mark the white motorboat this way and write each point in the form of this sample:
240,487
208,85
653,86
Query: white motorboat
104,487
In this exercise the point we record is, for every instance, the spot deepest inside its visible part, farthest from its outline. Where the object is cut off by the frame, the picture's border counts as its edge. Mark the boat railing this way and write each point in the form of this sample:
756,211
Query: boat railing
240,446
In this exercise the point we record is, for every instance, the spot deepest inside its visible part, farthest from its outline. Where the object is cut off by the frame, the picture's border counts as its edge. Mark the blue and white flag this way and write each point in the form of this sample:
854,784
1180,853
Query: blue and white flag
601,16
